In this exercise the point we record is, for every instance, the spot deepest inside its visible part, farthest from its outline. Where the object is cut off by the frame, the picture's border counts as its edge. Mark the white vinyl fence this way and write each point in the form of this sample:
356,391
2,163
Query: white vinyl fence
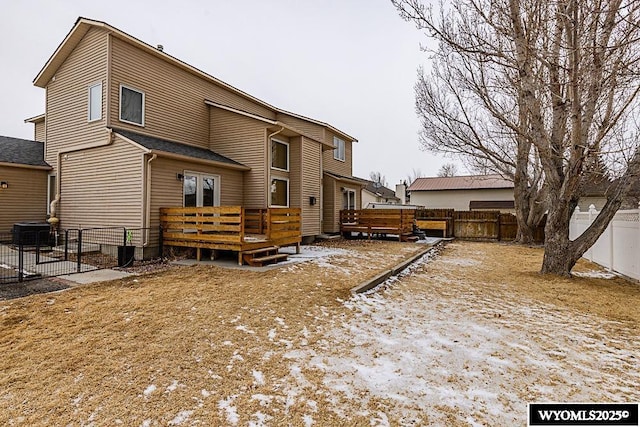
618,248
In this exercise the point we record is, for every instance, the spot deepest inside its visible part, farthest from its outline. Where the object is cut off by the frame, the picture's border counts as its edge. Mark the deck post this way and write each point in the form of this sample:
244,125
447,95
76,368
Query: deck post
240,258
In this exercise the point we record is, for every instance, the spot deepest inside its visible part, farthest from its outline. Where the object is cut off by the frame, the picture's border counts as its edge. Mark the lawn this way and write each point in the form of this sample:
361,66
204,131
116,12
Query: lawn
468,336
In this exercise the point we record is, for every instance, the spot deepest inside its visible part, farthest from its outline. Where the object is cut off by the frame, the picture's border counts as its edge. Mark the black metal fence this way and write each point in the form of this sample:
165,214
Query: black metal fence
32,254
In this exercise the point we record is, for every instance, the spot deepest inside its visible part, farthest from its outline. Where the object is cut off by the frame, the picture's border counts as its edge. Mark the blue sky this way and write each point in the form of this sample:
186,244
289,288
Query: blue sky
349,63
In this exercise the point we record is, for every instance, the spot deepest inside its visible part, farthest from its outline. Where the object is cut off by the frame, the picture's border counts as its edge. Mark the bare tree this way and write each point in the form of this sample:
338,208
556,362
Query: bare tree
378,178
545,93
448,170
415,173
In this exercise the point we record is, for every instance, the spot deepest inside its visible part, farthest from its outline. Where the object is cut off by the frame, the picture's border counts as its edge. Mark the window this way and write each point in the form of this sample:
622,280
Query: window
95,102
280,192
348,198
51,192
279,155
200,190
338,152
131,106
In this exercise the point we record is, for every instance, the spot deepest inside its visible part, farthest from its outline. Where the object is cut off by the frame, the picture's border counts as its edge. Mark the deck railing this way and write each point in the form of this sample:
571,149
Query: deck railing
228,225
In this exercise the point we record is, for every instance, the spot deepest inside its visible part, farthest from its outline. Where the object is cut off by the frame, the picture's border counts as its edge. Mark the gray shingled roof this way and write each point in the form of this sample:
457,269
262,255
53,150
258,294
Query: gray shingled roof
379,190
21,151
175,148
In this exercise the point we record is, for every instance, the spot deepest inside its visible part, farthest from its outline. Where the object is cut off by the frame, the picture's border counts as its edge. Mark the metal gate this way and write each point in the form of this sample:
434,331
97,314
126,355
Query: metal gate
27,255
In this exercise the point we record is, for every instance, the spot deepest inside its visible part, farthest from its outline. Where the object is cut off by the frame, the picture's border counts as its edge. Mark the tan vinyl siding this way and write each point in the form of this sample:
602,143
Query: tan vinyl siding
329,221
166,190
102,187
243,140
311,184
68,96
39,131
338,167
26,197
174,98
308,128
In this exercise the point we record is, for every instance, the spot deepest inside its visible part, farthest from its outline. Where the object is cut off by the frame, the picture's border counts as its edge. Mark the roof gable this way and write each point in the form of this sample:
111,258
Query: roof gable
82,26
473,182
22,152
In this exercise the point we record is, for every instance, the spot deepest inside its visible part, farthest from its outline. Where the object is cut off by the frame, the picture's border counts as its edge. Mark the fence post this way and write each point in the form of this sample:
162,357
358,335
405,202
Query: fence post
611,227
20,259
160,242
592,210
79,253
66,245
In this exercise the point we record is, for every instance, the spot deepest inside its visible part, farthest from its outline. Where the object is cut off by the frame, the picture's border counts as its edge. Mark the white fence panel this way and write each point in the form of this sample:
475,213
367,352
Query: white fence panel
618,248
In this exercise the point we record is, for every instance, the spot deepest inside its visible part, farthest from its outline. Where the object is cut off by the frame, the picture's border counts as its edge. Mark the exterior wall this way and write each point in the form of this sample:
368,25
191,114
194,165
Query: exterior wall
333,202
295,172
39,131
26,197
329,206
102,187
67,98
457,199
368,197
174,98
311,187
244,140
166,190
338,167
311,129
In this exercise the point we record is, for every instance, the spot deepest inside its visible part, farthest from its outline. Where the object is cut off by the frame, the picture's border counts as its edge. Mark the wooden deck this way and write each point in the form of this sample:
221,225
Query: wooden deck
231,228
378,222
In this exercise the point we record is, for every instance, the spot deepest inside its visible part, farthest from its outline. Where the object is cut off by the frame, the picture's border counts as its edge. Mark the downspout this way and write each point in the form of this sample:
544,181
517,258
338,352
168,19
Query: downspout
269,163
53,220
147,208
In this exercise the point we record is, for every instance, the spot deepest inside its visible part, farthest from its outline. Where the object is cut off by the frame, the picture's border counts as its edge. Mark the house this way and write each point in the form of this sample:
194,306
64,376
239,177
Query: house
129,129
23,182
477,192
374,192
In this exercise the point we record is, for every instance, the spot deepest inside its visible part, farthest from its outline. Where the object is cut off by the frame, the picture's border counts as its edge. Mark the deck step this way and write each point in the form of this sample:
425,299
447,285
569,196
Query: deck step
261,250
260,261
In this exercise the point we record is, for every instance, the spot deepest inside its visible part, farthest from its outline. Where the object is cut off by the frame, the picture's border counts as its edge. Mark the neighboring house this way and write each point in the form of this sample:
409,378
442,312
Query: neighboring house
129,129
595,193
477,192
23,182
374,192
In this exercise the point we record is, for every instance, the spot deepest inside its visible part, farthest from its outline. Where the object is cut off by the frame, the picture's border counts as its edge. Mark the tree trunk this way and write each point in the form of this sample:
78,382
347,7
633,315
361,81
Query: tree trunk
559,256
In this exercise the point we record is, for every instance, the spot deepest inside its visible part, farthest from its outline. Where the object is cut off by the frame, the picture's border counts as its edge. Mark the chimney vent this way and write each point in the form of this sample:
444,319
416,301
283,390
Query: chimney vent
160,48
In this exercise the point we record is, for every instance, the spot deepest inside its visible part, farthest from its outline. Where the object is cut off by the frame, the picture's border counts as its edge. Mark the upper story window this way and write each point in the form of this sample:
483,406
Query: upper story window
338,152
131,106
95,102
279,155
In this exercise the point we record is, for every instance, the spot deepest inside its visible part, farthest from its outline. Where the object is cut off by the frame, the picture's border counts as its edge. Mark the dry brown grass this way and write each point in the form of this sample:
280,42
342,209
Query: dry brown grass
199,334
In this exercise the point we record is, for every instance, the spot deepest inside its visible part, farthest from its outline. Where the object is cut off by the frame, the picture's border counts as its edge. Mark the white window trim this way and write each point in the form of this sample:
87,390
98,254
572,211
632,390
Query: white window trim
89,119
120,105
288,155
280,178
336,150
199,188
349,191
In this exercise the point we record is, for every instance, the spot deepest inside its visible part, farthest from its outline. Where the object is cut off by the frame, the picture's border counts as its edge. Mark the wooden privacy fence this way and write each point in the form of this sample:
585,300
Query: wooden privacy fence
480,225
378,222
230,228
